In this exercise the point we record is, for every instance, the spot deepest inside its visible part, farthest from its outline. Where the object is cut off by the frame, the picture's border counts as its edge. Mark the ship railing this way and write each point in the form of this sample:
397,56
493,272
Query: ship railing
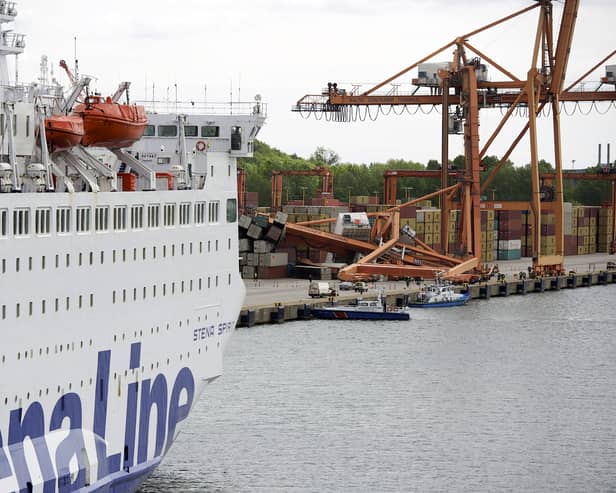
46,94
242,108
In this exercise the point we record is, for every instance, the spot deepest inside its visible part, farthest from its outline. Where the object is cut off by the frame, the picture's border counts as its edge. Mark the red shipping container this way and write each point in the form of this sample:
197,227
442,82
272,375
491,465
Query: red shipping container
408,212
272,272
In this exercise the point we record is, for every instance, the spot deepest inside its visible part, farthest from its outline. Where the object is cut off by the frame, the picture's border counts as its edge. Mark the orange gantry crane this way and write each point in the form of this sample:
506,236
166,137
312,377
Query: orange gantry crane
462,83
327,182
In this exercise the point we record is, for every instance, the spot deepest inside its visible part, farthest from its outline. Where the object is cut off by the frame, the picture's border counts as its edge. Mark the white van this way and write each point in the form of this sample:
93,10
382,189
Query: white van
319,289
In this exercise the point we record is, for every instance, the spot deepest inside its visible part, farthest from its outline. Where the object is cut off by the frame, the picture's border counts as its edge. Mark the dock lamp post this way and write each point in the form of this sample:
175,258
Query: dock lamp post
407,195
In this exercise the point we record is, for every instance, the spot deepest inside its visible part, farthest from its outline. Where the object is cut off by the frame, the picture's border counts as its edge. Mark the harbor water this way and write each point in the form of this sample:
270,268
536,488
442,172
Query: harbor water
509,394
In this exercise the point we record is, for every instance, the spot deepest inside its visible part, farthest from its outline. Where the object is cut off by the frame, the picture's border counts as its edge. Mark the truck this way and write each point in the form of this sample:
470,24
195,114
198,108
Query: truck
319,289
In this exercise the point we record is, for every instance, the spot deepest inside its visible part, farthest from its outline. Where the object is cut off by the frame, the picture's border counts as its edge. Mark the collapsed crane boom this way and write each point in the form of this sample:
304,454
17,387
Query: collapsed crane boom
462,83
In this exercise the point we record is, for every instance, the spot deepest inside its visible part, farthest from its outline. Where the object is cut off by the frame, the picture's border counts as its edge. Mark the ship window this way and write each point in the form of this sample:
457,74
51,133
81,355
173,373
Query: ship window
231,210
210,131
163,160
185,213
21,222
167,131
119,218
2,124
149,131
63,220
199,212
191,130
27,125
236,138
229,279
43,262
42,220
136,217
14,124
4,219
153,214
213,211
82,219
169,215
101,218
3,317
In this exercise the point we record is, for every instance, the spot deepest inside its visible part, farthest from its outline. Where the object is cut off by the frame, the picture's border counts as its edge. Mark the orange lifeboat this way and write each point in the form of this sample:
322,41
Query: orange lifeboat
109,124
63,131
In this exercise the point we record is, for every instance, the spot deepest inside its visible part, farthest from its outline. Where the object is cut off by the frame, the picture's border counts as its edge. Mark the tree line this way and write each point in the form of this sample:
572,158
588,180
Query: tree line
511,182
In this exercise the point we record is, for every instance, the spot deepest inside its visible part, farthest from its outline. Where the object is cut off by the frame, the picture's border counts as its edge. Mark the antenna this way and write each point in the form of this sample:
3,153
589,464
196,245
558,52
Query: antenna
76,62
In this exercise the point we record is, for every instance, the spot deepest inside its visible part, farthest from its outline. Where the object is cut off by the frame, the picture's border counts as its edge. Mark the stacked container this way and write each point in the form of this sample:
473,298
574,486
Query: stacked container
509,232
605,233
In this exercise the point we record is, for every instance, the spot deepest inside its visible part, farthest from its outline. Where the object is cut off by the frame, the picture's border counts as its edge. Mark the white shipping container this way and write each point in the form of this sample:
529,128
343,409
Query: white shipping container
252,259
275,259
245,245
509,244
244,221
262,246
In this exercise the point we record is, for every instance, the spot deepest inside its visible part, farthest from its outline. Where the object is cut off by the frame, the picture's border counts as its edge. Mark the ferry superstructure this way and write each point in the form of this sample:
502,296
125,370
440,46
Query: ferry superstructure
119,287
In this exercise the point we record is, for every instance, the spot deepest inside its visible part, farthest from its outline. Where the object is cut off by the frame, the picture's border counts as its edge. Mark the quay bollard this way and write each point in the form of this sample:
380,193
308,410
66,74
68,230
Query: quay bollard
572,281
540,285
556,284
484,292
587,280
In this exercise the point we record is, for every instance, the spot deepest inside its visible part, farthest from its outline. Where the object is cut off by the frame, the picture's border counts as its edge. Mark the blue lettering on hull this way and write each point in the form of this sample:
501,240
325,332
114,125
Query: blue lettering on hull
117,471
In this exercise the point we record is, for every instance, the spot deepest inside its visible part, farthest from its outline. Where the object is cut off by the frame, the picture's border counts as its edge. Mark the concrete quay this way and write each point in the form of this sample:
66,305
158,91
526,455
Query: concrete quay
280,300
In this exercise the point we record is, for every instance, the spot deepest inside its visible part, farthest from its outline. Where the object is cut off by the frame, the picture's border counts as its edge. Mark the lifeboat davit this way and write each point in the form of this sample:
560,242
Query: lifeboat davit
63,131
109,124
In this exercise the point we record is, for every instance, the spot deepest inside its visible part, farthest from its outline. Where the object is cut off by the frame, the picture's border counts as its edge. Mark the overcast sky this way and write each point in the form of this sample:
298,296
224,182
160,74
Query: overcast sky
283,49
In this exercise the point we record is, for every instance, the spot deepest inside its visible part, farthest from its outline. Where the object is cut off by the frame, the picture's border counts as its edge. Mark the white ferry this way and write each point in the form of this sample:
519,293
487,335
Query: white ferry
119,285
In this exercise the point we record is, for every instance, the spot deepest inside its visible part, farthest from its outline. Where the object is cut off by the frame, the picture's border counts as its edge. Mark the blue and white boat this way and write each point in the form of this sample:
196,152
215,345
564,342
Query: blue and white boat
362,310
440,295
